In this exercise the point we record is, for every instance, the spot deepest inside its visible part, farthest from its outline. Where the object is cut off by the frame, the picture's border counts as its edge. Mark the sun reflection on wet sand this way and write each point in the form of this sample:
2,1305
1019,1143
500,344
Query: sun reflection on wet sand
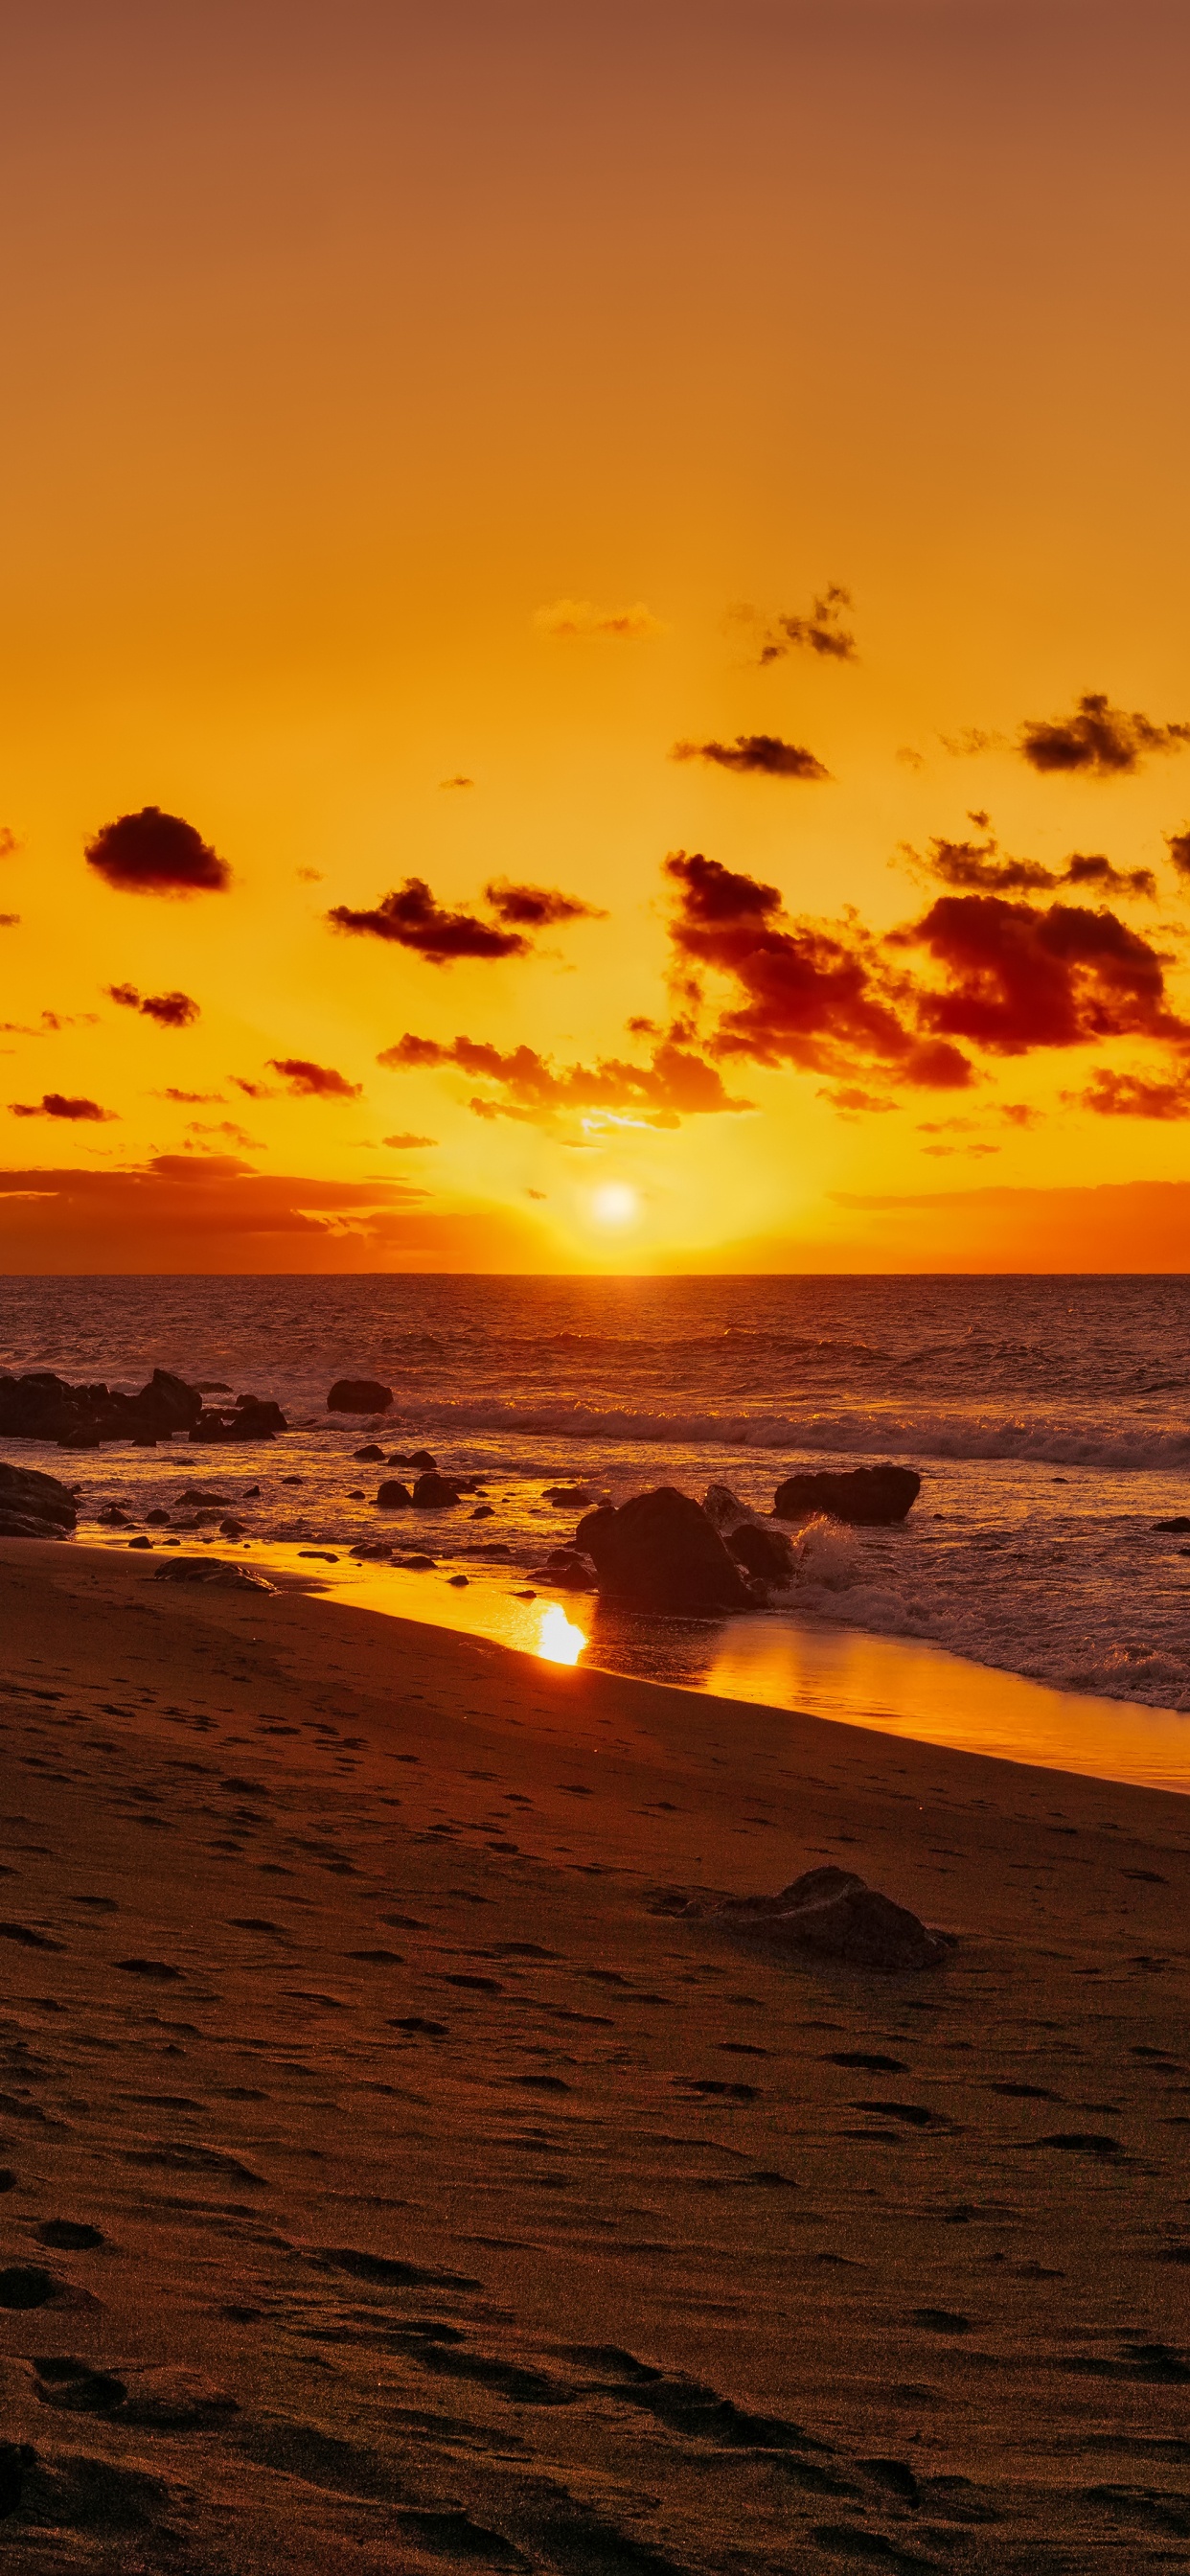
559,1641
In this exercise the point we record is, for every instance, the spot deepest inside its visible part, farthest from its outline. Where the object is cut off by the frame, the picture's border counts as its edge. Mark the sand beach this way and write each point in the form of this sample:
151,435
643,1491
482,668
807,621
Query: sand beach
393,2180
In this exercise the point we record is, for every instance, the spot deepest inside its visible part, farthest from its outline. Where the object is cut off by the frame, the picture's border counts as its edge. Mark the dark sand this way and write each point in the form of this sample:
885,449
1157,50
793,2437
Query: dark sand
456,2209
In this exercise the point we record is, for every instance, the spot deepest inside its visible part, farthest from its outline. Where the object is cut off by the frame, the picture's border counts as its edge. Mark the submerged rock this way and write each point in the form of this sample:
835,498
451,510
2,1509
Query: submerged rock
660,1552
359,1395
864,1496
834,1912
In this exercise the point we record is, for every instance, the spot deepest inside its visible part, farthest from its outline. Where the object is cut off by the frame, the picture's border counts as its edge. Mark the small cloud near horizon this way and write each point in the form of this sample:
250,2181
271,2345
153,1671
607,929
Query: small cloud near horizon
170,1010
1098,740
568,618
401,1144
222,1127
307,1081
460,781
531,907
55,1104
759,754
155,853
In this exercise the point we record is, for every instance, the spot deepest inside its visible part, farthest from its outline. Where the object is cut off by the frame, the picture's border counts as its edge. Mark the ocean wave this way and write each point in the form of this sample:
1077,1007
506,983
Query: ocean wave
1042,1439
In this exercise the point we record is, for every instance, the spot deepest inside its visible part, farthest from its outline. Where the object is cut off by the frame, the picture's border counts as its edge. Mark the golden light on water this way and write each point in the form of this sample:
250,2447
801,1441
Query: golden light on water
559,1641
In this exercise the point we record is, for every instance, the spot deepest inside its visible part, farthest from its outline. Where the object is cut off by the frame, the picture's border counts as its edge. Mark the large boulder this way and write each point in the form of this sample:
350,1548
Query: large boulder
359,1395
393,1496
660,1552
434,1493
43,1506
765,1553
862,1495
41,1406
834,1912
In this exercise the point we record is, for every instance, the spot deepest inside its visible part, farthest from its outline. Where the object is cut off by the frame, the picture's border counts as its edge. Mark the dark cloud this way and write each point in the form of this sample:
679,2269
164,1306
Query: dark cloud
761,754
197,1212
412,917
307,1081
48,1025
401,1143
641,1027
9,844
1178,846
820,995
530,907
1020,977
253,1090
10,921
977,867
54,1104
821,632
1135,1095
156,853
170,1010
522,1084
192,1099
1099,740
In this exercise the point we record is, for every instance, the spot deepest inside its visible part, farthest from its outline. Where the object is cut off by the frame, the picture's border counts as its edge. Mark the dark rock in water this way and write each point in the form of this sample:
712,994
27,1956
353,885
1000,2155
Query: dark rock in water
254,1418
434,1493
25,1492
393,1496
198,1500
1178,1526
483,1512
420,1458
862,1495
358,1395
231,1528
157,1520
41,1406
419,1564
764,1552
570,1569
660,1552
21,1525
573,1498
213,1569
458,1582
723,1508
140,1542
832,1911
371,1456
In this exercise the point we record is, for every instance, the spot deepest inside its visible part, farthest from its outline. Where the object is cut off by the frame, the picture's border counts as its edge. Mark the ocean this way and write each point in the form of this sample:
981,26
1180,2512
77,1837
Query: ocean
1049,1419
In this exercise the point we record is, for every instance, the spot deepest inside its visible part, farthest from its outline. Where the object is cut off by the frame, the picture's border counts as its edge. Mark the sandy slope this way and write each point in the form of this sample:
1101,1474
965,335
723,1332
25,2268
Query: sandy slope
458,2209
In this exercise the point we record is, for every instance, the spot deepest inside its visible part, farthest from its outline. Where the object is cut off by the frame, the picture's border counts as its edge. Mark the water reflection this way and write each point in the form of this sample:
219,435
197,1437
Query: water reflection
558,1640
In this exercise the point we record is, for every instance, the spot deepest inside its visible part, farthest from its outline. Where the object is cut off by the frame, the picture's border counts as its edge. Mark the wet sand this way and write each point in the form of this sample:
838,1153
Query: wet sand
395,2185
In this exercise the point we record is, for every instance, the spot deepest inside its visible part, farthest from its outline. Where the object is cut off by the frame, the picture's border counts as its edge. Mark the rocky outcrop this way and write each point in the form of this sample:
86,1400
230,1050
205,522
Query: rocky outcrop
435,1493
864,1496
33,1505
41,1406
359,1395
834,1912
660,1552
570,1570
252,1417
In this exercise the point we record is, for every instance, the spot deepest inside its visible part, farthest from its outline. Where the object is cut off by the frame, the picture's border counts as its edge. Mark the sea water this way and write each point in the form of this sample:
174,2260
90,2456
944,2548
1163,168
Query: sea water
1049,1419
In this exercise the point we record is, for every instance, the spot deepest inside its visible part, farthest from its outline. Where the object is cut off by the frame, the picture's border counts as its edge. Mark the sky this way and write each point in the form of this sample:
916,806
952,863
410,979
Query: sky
594,665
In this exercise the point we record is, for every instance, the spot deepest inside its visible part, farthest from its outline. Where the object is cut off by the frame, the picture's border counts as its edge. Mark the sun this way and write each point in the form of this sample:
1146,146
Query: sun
615,1204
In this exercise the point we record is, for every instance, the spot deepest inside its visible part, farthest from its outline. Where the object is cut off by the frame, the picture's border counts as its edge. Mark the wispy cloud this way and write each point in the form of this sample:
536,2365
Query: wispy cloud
532,907
307,1081
56,1104
762,755
571,618
519,1083
820,630
170,1010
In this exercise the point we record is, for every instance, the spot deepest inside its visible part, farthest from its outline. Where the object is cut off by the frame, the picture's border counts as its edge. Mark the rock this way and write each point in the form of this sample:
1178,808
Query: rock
200,1501
434,1493
254,1418
660,1552
862,1495
41,1406
458,1582
420,1458
232,1528
140,1542
394,1497
570,1569
723,1508
22,1525
833,1911
358,1395
419,1564
1179,1526
157,1520
356,1494
25,1492
765,1553
573,1498
213,1569
483,1512
372,1456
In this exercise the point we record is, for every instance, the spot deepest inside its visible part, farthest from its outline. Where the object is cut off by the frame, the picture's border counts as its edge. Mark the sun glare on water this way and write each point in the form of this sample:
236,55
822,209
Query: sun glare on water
559,1641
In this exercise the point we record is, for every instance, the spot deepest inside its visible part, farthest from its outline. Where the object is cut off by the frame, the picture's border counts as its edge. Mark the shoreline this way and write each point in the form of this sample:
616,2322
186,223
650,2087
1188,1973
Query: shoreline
403,2186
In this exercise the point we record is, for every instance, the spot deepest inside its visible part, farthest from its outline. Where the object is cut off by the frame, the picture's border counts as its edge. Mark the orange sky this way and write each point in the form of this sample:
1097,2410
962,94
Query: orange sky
398,397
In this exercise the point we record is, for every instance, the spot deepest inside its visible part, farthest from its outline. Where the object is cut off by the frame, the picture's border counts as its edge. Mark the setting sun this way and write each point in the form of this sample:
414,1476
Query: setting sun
616,1203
